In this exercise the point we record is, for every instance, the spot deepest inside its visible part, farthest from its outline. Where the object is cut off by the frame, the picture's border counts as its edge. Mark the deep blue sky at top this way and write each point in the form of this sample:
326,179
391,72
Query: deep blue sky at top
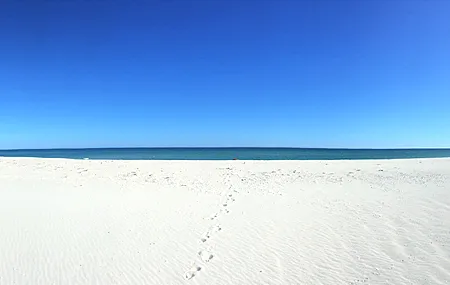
224,73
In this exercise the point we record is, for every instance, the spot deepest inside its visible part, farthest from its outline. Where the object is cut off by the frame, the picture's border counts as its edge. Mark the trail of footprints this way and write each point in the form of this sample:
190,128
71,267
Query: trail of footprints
205,255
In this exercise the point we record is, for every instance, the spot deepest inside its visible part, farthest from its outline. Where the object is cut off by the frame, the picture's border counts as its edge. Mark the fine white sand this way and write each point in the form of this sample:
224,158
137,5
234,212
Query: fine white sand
224,222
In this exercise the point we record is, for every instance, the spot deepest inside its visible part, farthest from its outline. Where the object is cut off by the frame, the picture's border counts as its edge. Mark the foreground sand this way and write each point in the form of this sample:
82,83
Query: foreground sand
224,222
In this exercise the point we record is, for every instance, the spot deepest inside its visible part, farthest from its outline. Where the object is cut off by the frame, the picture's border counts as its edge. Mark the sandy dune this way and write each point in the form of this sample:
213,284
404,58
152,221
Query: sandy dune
224,222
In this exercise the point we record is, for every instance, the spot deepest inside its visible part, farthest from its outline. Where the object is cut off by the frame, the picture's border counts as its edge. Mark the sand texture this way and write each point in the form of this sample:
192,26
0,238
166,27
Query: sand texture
224,222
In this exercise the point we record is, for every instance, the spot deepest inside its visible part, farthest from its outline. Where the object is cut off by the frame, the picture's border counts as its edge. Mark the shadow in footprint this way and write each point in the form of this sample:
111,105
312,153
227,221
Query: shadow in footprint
192,272
205,255
205,237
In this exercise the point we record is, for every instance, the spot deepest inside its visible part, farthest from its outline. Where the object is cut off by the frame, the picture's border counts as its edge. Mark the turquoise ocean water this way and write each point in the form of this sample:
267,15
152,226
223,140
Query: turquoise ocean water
227,153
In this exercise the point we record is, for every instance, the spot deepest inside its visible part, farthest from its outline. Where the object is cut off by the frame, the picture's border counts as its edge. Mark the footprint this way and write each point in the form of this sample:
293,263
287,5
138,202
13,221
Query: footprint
212,230
216,228
205,255
205,237
217,215
230,198
192,272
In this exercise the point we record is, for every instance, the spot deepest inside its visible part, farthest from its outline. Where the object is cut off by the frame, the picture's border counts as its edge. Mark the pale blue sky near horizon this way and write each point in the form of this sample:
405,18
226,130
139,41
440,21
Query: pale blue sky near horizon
351,74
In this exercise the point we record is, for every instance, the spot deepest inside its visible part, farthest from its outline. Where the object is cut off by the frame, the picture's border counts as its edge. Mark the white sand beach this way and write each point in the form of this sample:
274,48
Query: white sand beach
224,222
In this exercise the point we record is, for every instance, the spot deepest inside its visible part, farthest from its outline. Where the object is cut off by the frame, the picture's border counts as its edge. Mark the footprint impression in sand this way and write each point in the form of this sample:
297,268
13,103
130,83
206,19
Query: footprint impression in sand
206,236
192,272
205,255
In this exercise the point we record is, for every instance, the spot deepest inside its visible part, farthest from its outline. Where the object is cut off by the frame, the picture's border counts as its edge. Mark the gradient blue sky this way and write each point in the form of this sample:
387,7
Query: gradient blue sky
224,73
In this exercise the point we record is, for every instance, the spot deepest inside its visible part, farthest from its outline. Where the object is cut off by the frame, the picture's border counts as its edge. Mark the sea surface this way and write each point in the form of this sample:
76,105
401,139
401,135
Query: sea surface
227,153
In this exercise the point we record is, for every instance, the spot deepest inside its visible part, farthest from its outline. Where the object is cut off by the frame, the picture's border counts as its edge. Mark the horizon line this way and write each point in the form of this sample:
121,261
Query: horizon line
226,147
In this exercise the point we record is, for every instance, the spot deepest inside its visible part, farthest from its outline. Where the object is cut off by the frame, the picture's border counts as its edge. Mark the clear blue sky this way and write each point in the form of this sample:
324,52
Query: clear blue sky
98,73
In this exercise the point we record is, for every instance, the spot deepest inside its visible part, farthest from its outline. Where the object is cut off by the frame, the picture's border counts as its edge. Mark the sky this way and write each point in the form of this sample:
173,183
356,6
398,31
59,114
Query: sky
352,74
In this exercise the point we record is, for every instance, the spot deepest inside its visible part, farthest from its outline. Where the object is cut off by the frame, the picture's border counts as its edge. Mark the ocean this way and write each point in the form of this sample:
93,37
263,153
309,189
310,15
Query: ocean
227,153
